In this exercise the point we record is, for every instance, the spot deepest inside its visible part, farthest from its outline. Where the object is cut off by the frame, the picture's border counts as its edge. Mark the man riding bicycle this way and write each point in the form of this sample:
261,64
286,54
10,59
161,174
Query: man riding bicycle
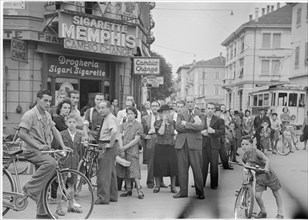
37,131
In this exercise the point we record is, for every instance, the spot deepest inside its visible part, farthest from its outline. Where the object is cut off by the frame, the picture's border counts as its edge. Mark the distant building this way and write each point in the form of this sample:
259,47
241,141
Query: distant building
299,36
258,54
203,80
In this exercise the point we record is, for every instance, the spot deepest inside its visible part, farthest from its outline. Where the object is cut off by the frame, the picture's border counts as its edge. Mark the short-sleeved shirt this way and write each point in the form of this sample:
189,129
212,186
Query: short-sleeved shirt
168,136
96,121
39,127
110,122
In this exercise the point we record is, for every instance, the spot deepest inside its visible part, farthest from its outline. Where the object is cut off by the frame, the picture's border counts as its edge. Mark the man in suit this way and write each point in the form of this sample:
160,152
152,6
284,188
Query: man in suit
149,136
147,109
212,132
257,123
188,147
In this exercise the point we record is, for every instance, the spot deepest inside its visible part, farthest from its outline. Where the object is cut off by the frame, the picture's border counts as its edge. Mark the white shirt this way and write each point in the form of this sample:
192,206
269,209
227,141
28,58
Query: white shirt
72,135
122,114
153,119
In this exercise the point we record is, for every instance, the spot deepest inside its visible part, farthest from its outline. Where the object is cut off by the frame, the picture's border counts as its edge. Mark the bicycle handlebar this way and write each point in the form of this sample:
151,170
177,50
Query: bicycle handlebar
254,168
90,144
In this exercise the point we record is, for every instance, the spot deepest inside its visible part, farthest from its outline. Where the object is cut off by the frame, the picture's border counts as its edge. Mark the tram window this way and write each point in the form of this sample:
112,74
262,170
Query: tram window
273,99
293,99
301,100
260,101
282,99
266,99
255,100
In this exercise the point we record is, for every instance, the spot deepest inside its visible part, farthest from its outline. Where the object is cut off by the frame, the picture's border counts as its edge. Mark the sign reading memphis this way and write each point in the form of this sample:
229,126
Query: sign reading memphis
96,35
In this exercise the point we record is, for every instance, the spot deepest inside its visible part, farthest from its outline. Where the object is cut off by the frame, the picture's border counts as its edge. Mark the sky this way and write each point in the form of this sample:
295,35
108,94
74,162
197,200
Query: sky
184,30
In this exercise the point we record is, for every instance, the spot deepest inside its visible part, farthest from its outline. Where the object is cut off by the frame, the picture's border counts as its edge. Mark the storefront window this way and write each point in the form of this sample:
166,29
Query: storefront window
282,99
273,99
293,99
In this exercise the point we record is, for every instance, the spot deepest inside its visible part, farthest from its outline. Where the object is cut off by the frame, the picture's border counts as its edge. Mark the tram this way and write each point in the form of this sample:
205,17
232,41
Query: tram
276,97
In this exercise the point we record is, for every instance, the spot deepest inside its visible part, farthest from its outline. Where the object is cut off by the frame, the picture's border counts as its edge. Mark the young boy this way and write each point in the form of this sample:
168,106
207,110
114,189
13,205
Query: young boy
72,139
265,135
252,157
275,126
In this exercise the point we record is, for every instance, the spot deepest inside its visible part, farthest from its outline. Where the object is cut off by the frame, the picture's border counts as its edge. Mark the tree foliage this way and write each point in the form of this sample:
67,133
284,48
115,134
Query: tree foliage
165,90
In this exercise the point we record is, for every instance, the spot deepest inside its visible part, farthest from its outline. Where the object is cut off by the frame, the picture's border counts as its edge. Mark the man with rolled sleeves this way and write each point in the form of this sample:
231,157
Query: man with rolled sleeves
37,130
108,146
188,147
213,132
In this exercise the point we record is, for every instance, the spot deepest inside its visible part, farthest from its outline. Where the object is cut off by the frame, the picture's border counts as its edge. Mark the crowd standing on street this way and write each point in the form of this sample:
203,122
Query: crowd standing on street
171,138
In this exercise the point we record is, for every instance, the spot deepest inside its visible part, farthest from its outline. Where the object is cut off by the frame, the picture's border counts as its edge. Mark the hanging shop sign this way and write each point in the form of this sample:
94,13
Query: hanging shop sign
14,5
97,35
146,66
19,50
59,65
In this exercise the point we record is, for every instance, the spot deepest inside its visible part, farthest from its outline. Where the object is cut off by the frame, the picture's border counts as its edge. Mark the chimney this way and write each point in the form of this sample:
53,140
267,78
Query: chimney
267,9
257,15
263,11
250,17
272,8
278,5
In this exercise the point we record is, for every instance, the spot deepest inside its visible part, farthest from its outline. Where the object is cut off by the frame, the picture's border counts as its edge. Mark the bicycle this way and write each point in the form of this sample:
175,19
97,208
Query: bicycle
13,197
243,207
88,165
286,139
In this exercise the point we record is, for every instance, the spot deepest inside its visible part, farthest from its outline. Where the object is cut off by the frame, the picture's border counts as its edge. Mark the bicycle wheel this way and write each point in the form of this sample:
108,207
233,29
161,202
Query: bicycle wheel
74,205
244,203
92,172
283,146
82,168
21,166
8,185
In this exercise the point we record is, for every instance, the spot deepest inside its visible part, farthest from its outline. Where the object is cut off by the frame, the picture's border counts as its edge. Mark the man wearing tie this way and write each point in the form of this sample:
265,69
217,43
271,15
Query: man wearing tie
188,147
212,133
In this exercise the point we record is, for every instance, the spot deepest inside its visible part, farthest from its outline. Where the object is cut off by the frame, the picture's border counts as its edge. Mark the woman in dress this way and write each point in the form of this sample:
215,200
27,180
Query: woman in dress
165,160
305,131
247,129
129,148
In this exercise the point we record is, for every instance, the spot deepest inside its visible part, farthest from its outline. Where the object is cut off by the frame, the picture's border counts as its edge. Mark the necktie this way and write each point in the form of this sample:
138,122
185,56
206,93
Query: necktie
124,119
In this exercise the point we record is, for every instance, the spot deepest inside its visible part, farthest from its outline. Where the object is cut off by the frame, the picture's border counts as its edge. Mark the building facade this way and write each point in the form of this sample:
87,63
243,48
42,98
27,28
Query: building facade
85,46
203,80
258,54
299,59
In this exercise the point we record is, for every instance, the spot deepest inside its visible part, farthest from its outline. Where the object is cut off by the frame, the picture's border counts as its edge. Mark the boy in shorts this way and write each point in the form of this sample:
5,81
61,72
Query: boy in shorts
252,156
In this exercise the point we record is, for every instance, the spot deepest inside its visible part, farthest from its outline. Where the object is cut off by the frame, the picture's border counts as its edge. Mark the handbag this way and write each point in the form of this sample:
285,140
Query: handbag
301,138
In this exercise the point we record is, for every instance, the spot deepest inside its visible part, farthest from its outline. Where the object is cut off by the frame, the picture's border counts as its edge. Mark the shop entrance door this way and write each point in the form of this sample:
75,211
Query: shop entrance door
88,89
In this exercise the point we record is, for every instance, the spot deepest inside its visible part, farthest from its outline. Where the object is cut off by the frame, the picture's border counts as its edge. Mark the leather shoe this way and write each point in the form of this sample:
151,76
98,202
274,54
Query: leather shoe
200,197
101,202
179,195
214,187
261,215
127,193
46,216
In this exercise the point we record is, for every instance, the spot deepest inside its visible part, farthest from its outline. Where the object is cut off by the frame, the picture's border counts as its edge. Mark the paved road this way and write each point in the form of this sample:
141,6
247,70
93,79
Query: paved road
292,171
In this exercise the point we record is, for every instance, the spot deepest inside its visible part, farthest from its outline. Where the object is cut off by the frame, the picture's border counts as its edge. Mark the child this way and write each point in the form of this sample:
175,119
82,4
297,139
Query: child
275,126
252,157
265,136
72,139
231,136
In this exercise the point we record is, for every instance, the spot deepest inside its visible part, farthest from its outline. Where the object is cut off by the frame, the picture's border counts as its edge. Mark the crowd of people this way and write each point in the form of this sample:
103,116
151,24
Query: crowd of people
172,138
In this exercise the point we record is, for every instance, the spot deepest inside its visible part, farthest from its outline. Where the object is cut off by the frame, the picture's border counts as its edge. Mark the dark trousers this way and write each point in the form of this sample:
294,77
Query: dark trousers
258,138
210,157
150,146
107,175
188,157
223,156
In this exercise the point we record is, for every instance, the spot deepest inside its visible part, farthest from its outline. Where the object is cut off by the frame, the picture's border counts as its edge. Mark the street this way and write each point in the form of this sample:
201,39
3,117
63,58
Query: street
291,170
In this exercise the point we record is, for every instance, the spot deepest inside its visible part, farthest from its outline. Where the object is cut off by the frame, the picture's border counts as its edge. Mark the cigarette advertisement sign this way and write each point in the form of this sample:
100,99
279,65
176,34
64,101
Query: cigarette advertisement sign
97,35
146,66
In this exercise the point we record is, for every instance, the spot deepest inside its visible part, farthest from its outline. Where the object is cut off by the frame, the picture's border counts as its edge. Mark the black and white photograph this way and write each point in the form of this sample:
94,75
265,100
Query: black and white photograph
154,110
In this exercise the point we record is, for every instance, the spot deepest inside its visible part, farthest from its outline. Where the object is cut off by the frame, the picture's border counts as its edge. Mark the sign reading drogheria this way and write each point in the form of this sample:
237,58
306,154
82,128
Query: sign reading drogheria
99,36
60,65
146,66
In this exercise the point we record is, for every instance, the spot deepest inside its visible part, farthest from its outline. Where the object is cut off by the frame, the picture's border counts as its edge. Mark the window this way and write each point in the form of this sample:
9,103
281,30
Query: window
276,40
293,99
275,67
231,52
216,90
266,40
201,90
255,100
273,99
266,99
260,100
282,99
242,44
296,57
301,100
306,52
298,17
265,67
241,68
217,76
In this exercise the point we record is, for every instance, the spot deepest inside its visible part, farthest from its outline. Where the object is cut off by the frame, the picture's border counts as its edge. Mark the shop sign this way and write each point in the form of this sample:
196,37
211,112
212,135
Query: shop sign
97,35
19,50
146,66
154,81
67,66
14,5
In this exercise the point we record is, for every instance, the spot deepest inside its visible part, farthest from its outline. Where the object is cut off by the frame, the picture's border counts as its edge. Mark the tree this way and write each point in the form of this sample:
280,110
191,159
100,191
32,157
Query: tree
165,90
